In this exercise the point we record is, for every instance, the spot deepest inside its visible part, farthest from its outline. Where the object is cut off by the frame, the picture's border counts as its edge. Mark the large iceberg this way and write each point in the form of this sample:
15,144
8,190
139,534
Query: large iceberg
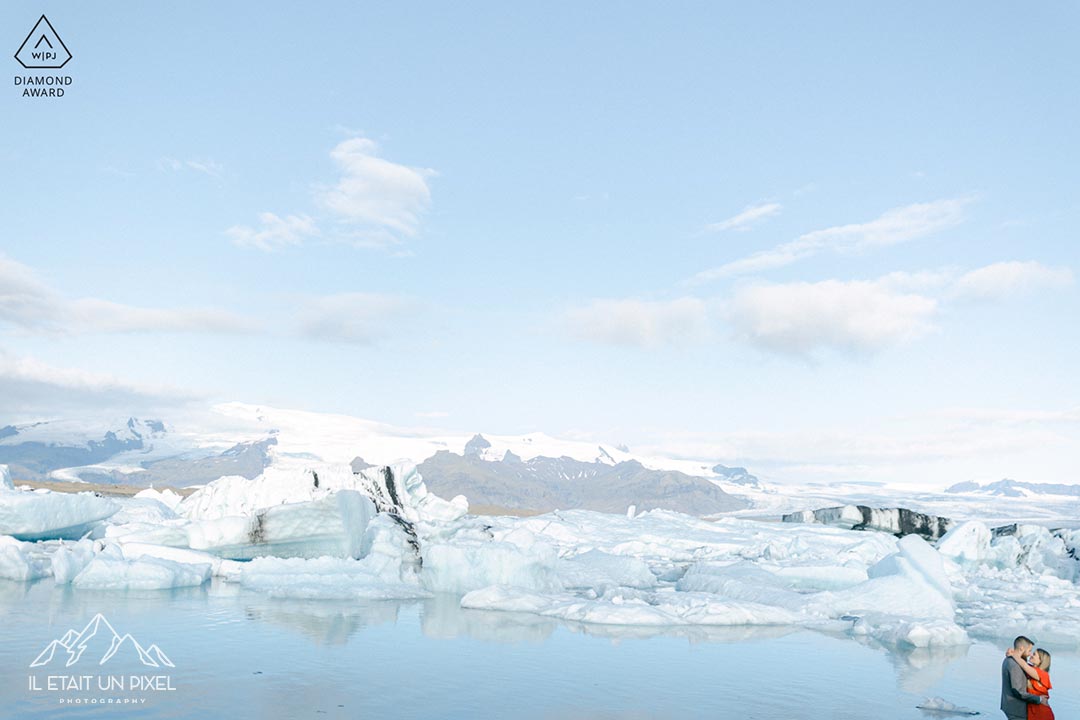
44,515
332,525
325,532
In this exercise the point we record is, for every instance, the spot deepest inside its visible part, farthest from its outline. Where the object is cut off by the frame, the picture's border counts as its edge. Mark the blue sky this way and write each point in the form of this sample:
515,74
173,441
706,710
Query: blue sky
827,240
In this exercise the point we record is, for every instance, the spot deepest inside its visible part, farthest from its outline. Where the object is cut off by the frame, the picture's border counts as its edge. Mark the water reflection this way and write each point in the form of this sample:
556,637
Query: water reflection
324,623
238,652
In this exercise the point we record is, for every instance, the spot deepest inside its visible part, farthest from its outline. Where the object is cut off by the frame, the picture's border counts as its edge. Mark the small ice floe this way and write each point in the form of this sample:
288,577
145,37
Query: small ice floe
941,706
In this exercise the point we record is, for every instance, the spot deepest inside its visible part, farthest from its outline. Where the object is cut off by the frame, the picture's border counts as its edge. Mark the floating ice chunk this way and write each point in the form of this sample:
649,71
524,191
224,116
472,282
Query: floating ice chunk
69,559
398,489
173,533
912,632
332,525
142,510
944,706
630,608
229,569
16,562
324,579
968,542
5,478
167,497
598,570
917,559
43,515
460,567
110,570
742,581
389,552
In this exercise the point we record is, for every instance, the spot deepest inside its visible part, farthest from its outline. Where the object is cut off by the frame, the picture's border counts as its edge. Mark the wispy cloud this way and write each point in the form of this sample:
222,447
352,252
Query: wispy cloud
641,323
800,318
894,226
274,232
373,203
28,304
806,318
376,193
749,216
357,318
31,386
1010,278
206,166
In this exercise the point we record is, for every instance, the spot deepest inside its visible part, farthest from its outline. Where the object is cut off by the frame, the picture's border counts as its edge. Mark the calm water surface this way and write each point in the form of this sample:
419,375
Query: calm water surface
242,655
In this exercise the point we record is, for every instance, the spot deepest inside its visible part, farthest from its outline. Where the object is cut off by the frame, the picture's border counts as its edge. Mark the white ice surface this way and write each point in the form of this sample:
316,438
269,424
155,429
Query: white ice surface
17,562
44,515
110,570
655,568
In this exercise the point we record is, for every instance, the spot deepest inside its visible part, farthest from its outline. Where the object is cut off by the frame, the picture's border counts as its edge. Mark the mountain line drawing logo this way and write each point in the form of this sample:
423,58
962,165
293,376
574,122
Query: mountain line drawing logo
98,640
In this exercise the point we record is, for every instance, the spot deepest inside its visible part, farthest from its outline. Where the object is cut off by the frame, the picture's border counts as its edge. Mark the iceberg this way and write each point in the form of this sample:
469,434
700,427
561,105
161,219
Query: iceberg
69,559
110,570
43,515
332,525
324,578
17,562
396,489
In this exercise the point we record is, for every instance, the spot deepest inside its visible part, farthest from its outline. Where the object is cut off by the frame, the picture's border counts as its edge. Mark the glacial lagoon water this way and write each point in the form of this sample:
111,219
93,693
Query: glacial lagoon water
238,654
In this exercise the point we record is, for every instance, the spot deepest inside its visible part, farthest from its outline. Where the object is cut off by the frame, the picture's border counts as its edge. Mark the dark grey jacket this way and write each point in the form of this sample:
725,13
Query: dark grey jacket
1014,694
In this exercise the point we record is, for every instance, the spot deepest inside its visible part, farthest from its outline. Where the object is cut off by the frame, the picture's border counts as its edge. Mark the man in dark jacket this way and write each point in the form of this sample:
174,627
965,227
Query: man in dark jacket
1014,694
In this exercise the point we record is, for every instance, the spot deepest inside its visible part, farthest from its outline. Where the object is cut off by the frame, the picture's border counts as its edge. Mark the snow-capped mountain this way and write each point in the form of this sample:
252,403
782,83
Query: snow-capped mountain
37,448
97,644
135,452
544,483
1015,488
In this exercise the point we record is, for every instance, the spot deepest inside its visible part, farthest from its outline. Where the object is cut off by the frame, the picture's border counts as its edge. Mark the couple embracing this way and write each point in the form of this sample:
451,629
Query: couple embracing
1025,682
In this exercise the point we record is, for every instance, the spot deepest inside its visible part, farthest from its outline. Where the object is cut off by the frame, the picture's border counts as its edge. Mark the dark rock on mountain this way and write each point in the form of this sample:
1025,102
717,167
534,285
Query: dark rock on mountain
476,446
358,463
545,483
737,475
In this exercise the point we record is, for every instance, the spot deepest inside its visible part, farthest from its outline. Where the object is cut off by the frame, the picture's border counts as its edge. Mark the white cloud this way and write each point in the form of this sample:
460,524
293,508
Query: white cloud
94,315
25,301
204,166
800,318
921,451
374,203
894,226
31,386
274,232
1009,278
360,318
30,305
433,414
639,323
375,194
746,218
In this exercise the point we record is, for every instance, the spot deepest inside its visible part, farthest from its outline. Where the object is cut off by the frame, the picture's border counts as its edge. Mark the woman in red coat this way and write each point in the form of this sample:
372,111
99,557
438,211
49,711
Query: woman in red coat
1038,681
